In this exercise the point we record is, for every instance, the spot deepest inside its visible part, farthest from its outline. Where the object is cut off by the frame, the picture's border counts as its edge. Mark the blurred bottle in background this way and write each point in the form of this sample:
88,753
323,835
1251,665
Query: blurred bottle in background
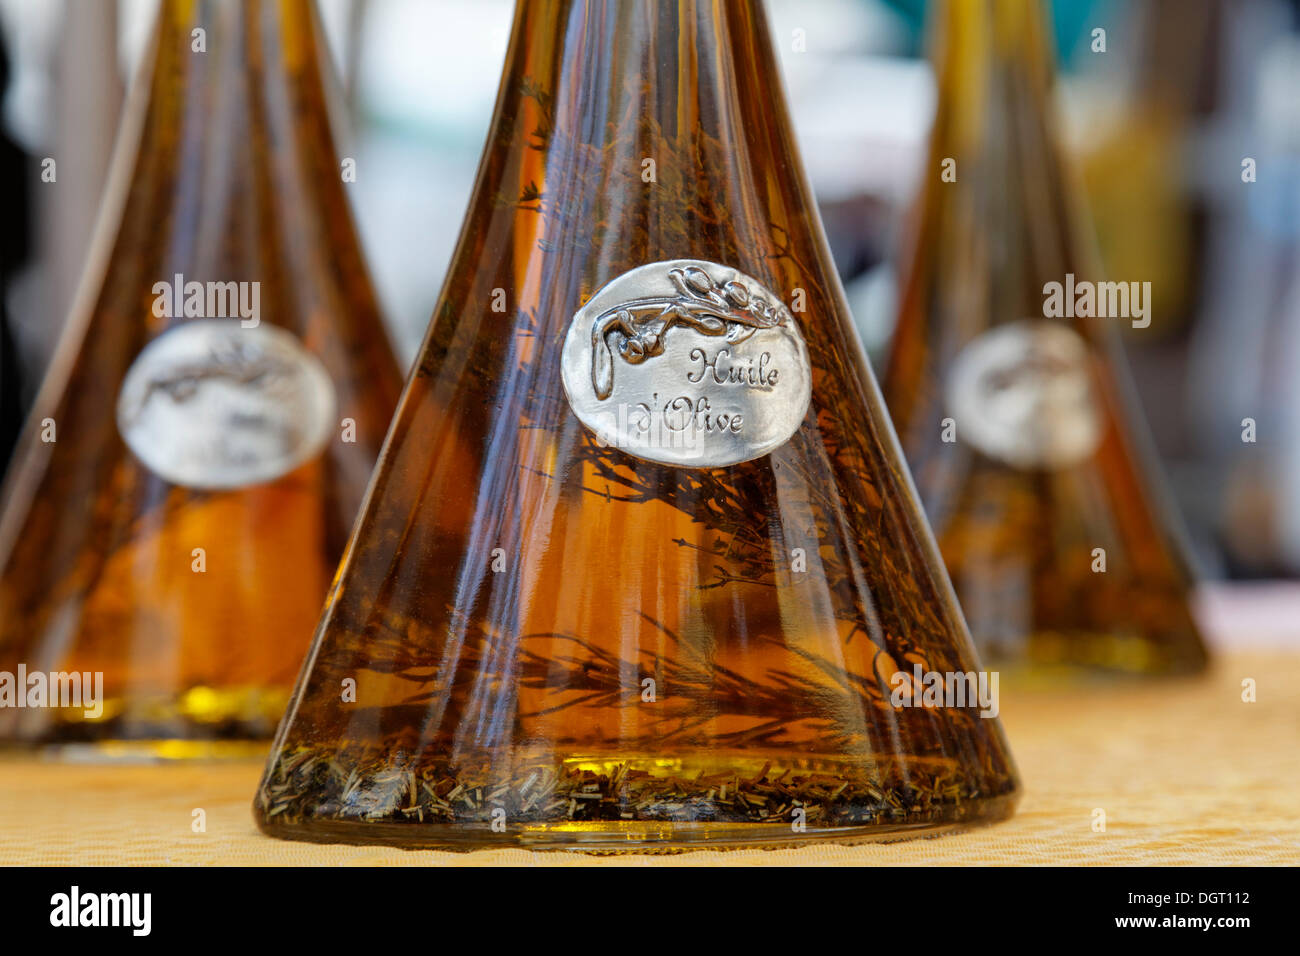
184,486
1015,412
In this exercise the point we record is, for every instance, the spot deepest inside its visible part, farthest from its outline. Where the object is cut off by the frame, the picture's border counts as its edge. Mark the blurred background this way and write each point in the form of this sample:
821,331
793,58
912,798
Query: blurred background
1157,126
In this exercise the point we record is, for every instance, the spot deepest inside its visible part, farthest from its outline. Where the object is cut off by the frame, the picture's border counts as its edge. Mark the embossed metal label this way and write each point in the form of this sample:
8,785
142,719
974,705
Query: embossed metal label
687,363
1022,393
213,404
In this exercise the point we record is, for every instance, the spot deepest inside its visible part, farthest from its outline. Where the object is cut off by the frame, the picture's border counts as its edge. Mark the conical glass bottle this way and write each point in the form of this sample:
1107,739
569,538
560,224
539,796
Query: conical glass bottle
201,444
1010,393
640,562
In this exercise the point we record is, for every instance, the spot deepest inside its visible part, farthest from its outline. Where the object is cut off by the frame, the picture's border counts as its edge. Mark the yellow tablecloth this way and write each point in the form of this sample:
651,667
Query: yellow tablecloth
1186,772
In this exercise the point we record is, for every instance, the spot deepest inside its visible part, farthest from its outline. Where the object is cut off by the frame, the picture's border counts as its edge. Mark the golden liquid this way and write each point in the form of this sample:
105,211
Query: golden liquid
1020,542
611,652
227,172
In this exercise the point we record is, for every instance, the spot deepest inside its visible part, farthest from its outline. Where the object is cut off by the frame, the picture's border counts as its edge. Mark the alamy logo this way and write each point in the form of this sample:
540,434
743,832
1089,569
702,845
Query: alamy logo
945,689
208,300
1104,300
103,909
83,689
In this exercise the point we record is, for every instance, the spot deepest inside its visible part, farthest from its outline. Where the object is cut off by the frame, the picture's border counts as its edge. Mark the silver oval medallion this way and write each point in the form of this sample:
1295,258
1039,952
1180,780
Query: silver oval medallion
1022,394
212,404
687,363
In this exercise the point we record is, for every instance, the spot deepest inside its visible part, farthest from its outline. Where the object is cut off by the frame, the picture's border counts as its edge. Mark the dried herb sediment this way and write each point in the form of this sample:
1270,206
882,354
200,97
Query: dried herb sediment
372,786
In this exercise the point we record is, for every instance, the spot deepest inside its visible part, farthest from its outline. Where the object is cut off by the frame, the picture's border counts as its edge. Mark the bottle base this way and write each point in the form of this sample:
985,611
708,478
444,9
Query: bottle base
645,803
201,723
143,751
1086,655
632,837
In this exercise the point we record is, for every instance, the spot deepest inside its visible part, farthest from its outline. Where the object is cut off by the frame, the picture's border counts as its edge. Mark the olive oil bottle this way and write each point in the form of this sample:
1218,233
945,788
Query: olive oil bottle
182,492
1008,387
641,566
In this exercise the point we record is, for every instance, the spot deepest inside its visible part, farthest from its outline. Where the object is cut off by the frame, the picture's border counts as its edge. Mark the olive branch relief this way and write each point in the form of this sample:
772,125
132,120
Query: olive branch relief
636,330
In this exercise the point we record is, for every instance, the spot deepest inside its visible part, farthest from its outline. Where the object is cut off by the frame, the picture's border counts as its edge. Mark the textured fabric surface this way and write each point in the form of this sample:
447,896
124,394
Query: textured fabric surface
1185,771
